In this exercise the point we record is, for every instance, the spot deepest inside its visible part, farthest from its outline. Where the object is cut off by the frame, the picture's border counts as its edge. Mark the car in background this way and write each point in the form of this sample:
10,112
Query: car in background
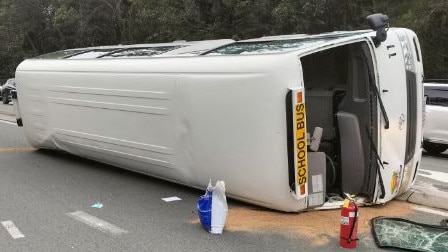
435,135
7,88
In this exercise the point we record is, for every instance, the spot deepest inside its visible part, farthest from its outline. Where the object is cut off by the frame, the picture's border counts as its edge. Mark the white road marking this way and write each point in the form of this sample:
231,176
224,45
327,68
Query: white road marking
431,211
8,122
436,175
97,223
12,229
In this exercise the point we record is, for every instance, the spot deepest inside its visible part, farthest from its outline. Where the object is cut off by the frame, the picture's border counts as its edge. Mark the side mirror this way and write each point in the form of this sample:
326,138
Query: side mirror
379,23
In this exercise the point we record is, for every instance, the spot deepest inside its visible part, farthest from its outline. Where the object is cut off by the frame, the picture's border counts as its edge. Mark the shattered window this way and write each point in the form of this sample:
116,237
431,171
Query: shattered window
262,47
140,52
60,54
91,54
408,235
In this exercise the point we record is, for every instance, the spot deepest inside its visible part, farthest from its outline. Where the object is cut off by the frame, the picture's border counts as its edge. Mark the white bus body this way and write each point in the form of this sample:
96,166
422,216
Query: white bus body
241,114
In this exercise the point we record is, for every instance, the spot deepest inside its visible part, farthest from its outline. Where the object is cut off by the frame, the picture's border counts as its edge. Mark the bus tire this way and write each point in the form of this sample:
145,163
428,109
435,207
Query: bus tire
5,98
434,148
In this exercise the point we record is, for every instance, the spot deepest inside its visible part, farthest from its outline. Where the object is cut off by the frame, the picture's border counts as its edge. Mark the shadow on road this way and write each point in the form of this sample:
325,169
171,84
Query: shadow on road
88,166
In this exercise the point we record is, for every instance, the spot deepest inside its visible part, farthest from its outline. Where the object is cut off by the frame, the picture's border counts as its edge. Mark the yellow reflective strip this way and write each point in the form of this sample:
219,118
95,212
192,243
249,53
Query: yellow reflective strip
301,145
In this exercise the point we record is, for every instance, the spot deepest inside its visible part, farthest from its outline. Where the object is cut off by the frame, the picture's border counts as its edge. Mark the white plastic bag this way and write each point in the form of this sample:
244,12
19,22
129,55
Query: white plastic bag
212,208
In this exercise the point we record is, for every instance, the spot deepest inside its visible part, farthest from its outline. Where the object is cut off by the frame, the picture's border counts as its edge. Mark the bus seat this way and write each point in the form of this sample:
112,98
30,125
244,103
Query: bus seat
319,107
352,155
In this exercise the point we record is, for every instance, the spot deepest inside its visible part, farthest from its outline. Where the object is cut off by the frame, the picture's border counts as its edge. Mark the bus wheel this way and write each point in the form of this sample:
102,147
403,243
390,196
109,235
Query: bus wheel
5,97
433,148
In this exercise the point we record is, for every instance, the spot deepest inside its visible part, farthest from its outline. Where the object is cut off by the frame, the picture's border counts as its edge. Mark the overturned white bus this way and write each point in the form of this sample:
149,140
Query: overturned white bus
286,122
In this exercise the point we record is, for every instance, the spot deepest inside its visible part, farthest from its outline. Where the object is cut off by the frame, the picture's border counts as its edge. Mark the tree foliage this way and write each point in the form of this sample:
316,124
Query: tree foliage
29,28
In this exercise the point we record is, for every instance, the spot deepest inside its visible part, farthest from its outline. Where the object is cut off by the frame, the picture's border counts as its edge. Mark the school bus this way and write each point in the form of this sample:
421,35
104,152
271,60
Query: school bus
290,123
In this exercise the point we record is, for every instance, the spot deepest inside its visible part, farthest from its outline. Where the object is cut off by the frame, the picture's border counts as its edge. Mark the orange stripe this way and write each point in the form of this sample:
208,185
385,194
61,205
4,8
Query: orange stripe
302,189
299,97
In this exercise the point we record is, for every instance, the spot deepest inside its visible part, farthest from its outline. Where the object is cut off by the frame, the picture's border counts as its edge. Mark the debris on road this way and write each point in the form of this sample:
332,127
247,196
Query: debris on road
170,199
212,208
409,235
97,205
319,227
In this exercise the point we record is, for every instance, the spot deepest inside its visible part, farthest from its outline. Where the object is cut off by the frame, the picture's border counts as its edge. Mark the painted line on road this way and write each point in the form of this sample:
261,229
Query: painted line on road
435,175
22,149
431,211
12,229
97,223
8,122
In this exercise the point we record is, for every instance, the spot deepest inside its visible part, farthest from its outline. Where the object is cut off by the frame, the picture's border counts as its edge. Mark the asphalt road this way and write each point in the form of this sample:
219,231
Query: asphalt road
434,169
46,200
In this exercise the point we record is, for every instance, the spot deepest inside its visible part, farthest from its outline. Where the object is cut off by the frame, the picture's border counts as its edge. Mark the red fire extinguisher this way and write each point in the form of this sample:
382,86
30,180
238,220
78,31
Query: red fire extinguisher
349,224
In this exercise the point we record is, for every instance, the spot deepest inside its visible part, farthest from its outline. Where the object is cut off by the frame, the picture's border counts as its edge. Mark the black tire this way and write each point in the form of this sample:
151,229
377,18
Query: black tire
5,97
434,148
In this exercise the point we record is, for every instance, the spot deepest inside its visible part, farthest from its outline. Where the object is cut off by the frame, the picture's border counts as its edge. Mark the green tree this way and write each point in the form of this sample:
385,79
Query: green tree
28,28
431,26
11,39
429,19
80,23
